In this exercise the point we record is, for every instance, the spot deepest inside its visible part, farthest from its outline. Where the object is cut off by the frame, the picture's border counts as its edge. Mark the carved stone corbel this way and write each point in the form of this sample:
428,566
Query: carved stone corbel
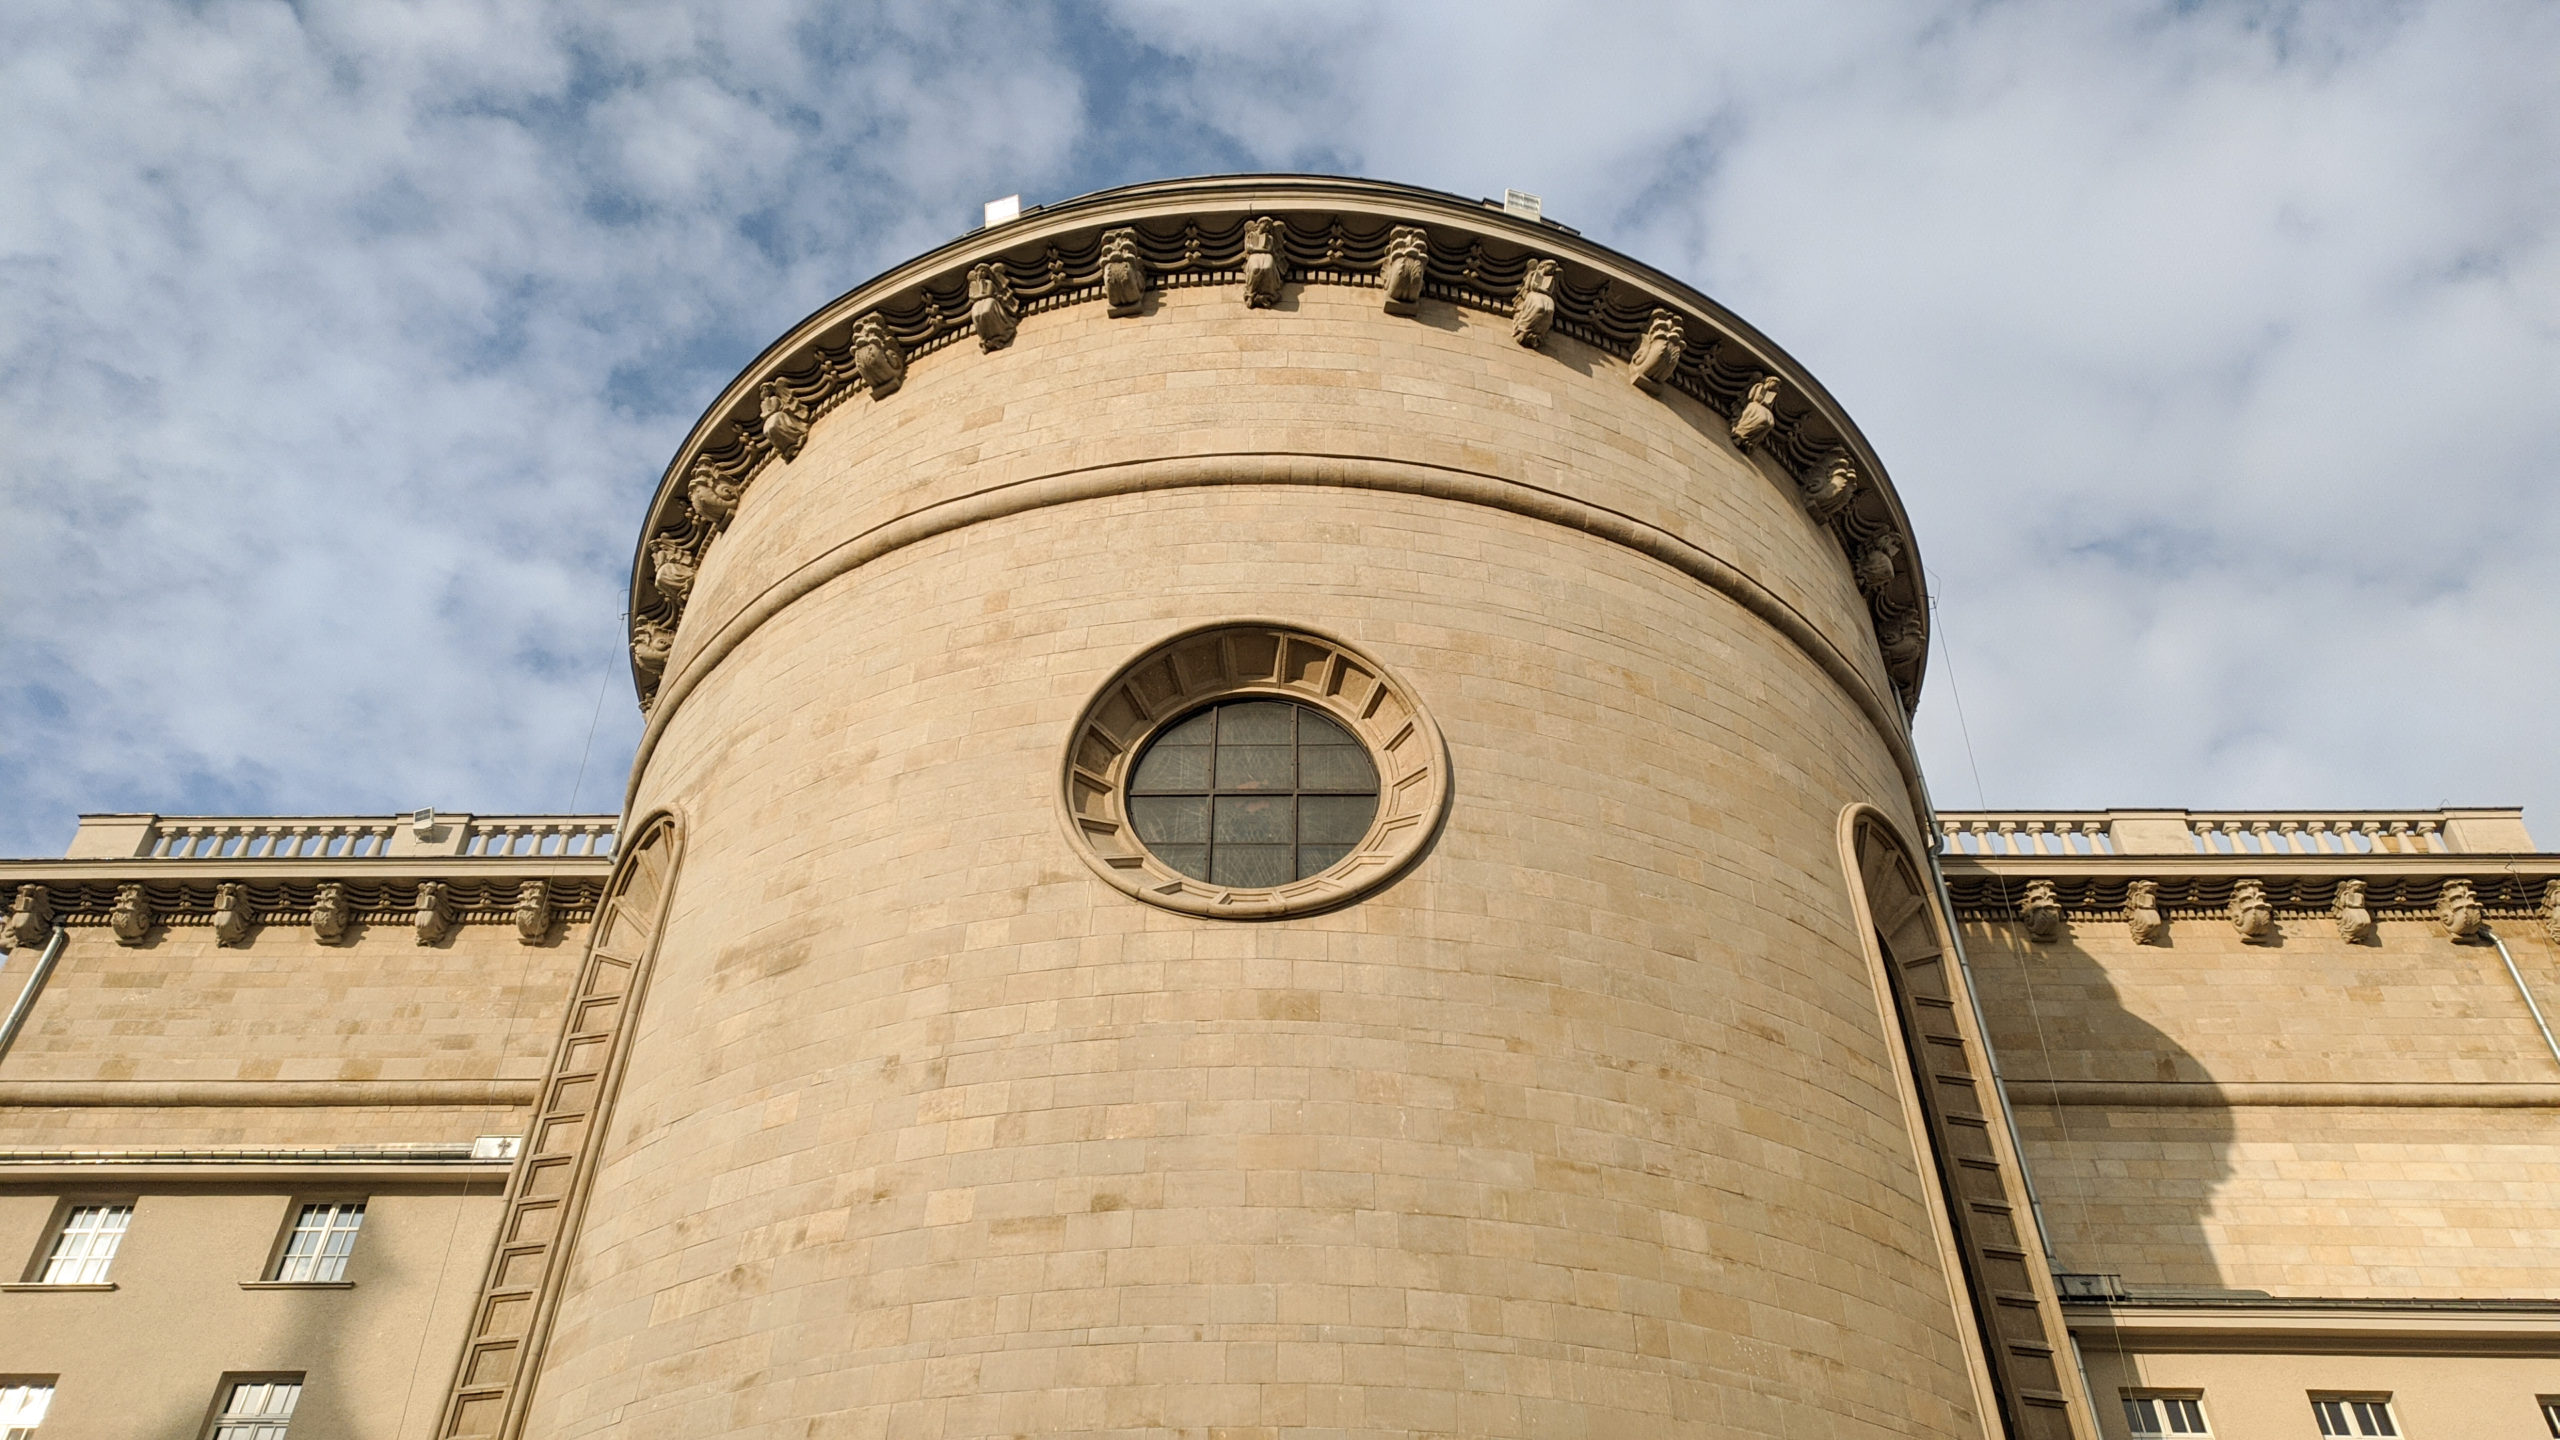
671,568
232,915
1407,265
1875,564
1905,642
878,357
1124,274
330,913
131,918
30,917
2355,922
2459,911
2040,910
1263,272
434,915
2142,911
2551,911
1658,353
533,911
651,644
1830,492
2250,912
786,421
1533,305
714,496
993,313
1759,412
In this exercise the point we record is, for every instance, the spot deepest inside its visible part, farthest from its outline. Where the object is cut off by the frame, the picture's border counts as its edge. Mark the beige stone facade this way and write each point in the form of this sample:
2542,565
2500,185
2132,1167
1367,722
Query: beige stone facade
1625,1079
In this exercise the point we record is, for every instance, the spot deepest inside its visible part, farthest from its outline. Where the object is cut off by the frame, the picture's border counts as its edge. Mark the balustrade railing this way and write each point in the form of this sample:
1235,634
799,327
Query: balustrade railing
2231,832
340,837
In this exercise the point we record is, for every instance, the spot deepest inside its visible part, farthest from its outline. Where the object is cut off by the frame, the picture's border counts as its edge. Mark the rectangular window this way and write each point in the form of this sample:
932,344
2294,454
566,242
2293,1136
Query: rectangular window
2164,1414
323,1236
22,1406
2347,1415
87,1244
257,1409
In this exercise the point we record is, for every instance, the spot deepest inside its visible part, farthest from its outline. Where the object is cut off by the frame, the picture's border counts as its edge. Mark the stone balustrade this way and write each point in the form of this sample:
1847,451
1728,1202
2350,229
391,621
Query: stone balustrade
2232,832
359,837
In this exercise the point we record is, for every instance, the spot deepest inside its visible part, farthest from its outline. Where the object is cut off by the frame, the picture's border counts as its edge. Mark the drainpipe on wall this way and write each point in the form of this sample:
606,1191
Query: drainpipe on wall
2512,973
44,966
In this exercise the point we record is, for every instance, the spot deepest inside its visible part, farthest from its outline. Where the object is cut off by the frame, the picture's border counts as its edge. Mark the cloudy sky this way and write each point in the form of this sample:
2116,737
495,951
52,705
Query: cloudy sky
2214,347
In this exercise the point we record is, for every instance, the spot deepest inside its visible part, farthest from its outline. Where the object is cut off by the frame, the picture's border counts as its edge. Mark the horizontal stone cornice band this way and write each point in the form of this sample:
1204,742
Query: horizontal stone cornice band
2242,1094
1346,472
262,1094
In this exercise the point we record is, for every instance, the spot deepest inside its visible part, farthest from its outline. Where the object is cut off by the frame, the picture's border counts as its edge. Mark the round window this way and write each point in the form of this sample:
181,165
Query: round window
1253,793
1251,771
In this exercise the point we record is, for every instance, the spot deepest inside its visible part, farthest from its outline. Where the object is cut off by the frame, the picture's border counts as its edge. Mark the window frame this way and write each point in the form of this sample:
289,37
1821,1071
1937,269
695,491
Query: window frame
48,1384
2351,1399
2549,1405
221,1424
1213,793
65,1211
281,1251
2191,1398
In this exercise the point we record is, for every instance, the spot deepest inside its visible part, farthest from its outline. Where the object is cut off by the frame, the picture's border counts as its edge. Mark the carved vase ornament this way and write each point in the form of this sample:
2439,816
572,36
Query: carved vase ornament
712,495
2142,911
671,568
30,917
1829,493
2355,922
434,915
1407,265
2040,910
993,315
1533,306
1263,271
651,643
330,913
1658,353
2250,913
533,911
1759,412
786,420
231,914
131,917
1124,275
878,357
2459,911
2551,911
1875,563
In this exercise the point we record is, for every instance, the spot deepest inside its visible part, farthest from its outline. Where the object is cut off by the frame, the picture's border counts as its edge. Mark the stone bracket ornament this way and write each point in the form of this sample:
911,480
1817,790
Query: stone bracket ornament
1876,562
713,496
671,568
232,915
434,915
330,913
2142,912
651,644
1831,491
1263,268
994,315
2459,911
2040,910
1759,413
1124,274
1658,353
786,421
2551,911
131,918
878,357
2347,908
1533,306
30,917
1905,642
2250,912
1407,265
533,911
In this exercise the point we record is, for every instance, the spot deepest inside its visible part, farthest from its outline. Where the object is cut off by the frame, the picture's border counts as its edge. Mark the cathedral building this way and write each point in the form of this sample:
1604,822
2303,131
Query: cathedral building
1280,807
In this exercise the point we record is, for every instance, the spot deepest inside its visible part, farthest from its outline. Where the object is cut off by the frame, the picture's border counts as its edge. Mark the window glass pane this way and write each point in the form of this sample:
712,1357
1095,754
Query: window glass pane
1255,722
1163,769
1200,729
1256,866
322,1239
22,1407
1170,819
258,1410
2185,1417
2373,1417
1264,768
87,1245
1334,819
1336,767
1315,729
2141,1416
1191,860
2332,1415
1314,858
1252,820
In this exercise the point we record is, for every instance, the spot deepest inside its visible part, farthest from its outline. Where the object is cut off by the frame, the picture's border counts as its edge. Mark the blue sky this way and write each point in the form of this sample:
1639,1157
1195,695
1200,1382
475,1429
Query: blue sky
2214,348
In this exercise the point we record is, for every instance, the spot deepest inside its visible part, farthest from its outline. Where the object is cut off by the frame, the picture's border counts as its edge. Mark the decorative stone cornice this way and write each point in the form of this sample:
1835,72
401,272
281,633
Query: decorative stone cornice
140,912
2433,889
1261,234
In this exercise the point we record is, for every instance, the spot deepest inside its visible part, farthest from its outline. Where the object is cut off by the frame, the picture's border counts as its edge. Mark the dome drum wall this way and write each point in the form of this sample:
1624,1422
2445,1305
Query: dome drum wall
1581,1117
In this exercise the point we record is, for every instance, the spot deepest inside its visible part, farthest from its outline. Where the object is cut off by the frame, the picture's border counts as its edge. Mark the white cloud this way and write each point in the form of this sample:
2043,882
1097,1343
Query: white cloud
2211,346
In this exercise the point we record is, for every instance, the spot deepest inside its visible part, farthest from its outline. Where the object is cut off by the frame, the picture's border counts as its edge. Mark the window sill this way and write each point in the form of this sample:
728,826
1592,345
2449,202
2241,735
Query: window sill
40,1285
297,1284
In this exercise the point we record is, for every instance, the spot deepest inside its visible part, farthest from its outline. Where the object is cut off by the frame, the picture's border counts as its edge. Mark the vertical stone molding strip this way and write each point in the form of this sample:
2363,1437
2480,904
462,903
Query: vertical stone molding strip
521,1288
2025,1341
